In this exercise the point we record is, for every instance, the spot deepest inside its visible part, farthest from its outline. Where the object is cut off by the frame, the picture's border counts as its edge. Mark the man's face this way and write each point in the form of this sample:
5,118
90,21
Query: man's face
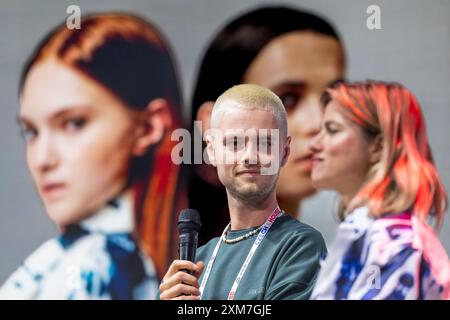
248,150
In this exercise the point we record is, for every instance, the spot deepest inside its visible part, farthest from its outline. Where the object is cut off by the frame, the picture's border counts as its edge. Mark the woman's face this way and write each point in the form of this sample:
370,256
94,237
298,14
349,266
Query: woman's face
298,66
79,140
342,153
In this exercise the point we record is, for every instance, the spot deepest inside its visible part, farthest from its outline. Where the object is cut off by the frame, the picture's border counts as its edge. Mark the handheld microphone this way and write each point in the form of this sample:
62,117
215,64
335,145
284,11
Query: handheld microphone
188,228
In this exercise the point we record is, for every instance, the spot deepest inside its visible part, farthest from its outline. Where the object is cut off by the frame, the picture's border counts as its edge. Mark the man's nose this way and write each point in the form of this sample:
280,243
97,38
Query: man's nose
251,153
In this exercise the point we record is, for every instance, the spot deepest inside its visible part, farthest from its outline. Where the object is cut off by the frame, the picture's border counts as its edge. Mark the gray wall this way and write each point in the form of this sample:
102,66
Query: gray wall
412,47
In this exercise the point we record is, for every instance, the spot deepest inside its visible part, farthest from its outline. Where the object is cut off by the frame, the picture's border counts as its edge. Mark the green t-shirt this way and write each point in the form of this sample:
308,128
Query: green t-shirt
284,266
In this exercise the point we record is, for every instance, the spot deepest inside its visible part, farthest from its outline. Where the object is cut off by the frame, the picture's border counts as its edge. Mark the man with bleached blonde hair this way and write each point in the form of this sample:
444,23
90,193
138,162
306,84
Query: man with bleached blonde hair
263,253
250,97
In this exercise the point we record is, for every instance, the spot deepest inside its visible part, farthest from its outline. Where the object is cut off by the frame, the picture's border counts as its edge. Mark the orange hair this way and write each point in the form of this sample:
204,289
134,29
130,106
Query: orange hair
405,178
129,57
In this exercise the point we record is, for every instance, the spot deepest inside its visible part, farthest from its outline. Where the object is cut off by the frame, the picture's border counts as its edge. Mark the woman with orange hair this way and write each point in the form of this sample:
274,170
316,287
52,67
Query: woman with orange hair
98,105
373,150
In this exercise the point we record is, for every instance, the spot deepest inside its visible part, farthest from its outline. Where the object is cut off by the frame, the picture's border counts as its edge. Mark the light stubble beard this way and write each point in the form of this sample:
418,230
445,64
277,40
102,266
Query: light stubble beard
254,199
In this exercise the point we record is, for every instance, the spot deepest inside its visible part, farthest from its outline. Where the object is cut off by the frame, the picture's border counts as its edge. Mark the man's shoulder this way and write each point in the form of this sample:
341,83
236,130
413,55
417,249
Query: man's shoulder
294,228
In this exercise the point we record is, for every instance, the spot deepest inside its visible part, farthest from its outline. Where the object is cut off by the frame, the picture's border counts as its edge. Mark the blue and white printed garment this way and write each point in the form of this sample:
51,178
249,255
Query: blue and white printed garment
393,257
96,259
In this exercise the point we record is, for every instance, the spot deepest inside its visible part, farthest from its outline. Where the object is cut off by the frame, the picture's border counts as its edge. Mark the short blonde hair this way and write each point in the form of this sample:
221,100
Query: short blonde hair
250,97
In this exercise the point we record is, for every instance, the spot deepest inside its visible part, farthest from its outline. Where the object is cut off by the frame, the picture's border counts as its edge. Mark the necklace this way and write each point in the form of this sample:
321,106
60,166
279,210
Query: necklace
243,237
264,230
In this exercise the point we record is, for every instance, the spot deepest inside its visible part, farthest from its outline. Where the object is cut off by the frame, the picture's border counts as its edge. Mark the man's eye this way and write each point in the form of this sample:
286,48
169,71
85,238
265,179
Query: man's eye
265,143
234,144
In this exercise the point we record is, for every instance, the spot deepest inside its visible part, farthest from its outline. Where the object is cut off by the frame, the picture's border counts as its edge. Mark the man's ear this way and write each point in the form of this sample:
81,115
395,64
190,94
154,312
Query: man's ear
376,149
156,120
210,150
204,114
286,151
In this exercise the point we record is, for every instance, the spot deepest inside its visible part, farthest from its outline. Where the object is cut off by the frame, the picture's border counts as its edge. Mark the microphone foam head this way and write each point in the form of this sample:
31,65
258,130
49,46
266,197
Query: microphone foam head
189,220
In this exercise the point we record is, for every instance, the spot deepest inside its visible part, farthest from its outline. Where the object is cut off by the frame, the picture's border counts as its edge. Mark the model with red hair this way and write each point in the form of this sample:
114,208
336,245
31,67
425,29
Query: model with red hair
373,150
97,107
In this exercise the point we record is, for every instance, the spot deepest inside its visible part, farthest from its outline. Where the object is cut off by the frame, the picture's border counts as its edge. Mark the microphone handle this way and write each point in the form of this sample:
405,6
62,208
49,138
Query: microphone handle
187,247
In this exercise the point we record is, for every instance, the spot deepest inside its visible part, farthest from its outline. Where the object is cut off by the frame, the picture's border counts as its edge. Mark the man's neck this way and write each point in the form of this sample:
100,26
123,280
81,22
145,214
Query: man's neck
244,215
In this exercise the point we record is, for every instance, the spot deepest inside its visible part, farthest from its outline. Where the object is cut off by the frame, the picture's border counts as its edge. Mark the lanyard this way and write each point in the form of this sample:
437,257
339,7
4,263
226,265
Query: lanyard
264,230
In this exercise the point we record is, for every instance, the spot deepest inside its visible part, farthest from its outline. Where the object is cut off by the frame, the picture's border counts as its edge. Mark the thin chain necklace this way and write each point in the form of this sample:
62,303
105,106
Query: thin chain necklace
243,237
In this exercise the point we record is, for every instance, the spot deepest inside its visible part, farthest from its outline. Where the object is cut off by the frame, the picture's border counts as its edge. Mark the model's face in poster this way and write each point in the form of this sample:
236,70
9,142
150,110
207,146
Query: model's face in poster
79,140
297,67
